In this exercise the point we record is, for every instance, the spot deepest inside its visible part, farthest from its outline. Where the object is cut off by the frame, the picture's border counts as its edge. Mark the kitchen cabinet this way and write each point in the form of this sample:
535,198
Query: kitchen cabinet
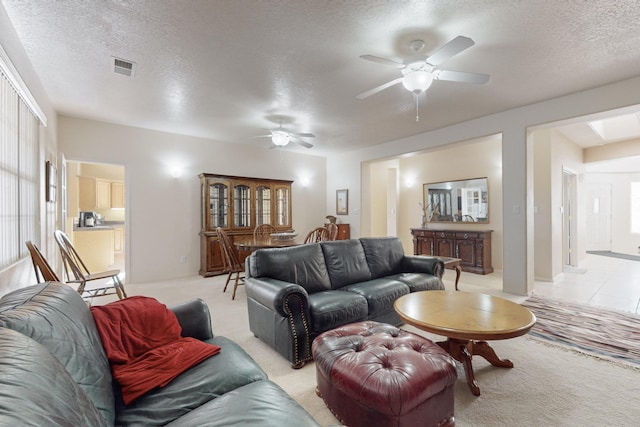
117,195
118,239
238,205
86,193
472,247
103,194
98,193
95,247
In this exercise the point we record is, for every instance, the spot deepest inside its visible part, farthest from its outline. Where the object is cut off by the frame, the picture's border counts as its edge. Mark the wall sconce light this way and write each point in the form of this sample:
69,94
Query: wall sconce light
175,172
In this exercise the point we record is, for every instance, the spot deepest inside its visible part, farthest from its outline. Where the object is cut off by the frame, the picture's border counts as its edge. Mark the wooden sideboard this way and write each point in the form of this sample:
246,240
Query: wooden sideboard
344,231
473,247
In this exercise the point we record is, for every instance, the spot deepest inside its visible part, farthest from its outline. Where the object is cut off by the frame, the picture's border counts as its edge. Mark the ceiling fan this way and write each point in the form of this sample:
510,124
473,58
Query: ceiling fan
281,137
419,73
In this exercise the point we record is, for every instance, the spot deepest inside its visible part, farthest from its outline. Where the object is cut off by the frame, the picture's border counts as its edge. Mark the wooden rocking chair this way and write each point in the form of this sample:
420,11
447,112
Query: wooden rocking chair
44,272
77,272
232,264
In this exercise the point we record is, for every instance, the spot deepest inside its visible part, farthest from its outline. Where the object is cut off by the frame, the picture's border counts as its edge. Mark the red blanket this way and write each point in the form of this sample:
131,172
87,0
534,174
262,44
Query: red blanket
142,340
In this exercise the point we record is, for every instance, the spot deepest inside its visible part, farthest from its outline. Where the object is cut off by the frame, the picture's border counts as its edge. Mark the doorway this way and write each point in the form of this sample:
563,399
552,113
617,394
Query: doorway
98,188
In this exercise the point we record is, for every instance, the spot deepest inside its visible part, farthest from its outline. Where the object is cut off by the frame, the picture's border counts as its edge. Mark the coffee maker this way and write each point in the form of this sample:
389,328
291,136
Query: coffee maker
87,219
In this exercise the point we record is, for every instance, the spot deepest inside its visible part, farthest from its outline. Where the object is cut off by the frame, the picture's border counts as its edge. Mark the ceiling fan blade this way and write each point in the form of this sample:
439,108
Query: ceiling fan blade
368,93
303,143
450,49
460,76
384,61
303,135
262,136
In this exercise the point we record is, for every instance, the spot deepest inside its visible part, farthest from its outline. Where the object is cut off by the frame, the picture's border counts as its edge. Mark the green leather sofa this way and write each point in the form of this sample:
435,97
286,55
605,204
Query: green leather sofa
54,372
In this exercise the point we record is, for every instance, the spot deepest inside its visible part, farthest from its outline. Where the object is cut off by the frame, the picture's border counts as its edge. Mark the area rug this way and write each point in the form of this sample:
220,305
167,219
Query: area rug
608,334
616,255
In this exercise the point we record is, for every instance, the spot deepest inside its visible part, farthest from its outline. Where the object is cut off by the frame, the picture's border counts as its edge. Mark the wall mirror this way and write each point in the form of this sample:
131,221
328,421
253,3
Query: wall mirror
464,200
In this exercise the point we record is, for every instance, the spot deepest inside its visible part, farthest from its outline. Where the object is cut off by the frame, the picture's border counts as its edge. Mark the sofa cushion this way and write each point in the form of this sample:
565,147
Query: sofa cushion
384,255
231,368
330,309
261,403
55,315
346,262
36,390
303,265
419,281
379,293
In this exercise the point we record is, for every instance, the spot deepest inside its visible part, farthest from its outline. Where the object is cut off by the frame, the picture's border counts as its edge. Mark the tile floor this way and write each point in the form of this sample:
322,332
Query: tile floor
599,280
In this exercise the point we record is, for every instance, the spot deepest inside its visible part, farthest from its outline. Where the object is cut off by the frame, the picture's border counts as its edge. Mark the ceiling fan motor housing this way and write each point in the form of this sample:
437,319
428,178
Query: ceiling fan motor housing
417,77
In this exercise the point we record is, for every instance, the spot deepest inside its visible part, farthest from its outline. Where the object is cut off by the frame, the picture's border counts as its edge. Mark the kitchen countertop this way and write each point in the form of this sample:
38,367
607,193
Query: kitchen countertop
105,225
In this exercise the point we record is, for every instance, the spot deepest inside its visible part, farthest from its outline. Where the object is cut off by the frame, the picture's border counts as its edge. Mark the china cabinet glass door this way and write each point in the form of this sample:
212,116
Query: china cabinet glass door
242,206
282,207
218,205
263,205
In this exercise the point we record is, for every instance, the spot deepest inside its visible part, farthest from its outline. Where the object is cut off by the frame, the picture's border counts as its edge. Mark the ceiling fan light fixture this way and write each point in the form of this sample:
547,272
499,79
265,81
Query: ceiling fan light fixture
417,81
280,138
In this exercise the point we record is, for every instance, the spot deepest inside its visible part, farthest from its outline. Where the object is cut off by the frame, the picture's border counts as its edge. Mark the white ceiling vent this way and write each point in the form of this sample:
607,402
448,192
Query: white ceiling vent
124,67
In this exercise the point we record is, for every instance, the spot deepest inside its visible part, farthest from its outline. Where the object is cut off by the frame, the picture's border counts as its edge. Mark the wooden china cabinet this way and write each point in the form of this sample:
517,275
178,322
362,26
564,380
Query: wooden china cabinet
473,247
237,205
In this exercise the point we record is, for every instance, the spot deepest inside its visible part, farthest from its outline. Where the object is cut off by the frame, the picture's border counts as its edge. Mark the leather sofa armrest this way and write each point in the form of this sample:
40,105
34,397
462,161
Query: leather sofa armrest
419,264
195,319
274,294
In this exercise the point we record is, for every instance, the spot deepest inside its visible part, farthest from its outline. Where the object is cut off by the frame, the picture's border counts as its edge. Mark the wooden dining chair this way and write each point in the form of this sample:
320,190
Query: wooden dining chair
332,228
77,272
231,260
318,234
263,231
44,272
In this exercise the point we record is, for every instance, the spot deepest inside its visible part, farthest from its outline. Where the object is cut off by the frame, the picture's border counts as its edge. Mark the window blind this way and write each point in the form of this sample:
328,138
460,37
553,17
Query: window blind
19,175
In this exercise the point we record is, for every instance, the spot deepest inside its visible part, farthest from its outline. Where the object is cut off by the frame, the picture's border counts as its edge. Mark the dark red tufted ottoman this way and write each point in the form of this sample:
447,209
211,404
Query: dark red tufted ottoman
373,374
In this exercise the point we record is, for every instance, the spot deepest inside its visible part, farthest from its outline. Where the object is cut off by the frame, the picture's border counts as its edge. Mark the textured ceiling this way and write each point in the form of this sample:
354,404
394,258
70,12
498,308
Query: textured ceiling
226,70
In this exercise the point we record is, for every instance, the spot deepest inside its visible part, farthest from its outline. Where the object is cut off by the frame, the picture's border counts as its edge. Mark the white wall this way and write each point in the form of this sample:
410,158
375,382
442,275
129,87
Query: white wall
344,169
380,206
162,212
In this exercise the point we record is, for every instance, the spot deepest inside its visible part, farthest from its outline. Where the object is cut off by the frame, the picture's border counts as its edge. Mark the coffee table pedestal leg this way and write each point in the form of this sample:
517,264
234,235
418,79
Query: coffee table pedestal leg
464,350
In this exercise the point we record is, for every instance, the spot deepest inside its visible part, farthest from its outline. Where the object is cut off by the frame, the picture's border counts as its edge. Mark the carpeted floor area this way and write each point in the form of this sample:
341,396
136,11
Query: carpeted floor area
548,386
603,333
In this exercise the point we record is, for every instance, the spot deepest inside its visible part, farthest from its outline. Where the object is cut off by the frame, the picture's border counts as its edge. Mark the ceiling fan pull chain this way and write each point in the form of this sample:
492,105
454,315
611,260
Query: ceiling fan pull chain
417,111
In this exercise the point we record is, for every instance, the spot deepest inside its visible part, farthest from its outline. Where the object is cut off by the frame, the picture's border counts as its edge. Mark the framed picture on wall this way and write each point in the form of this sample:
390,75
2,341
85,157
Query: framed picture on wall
342,202
50,181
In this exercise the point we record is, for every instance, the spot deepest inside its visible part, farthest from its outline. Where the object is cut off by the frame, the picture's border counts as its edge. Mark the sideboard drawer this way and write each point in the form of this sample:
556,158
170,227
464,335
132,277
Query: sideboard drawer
466,235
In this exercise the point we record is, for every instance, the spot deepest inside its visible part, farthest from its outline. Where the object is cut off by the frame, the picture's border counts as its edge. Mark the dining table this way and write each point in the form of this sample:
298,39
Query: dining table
253,244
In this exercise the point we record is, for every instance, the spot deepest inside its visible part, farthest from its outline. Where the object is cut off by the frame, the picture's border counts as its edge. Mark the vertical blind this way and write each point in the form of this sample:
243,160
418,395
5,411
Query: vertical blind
18,174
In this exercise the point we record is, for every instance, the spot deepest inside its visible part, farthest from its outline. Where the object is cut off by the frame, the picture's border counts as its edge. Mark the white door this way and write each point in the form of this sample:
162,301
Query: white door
598,211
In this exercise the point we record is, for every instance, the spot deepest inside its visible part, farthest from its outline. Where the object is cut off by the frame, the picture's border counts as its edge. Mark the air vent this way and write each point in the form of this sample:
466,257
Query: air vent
124,67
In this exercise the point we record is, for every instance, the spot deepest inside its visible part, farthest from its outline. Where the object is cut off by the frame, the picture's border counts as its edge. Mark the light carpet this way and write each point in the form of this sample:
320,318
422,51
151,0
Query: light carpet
548,386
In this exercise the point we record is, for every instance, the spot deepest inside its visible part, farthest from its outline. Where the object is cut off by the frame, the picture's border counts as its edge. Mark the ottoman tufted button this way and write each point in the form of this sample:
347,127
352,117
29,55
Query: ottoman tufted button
372,379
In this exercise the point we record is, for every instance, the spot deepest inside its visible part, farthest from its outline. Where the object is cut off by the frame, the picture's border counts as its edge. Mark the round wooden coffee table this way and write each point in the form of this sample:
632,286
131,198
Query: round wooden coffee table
467,320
